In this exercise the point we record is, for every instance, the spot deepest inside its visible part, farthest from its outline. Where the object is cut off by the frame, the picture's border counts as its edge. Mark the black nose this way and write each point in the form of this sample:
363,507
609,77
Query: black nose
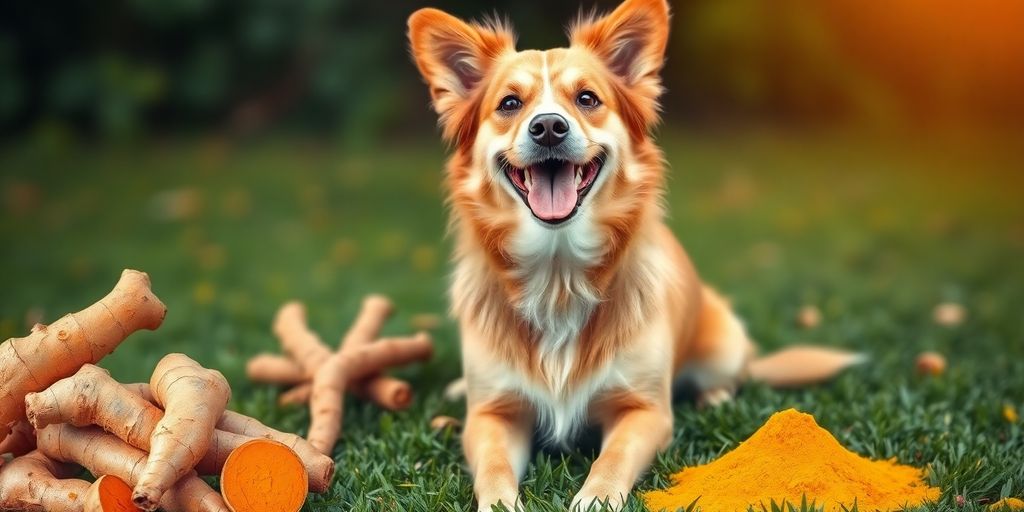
549,130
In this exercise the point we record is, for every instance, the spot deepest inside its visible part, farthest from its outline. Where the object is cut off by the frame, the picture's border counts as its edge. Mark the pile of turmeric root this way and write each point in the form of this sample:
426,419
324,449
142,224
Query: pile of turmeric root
148,444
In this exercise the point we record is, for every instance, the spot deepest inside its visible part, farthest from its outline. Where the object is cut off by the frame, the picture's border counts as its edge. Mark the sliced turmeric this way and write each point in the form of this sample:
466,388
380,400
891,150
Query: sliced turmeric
788,458
34,482
263,476
320,467
51,353
109,494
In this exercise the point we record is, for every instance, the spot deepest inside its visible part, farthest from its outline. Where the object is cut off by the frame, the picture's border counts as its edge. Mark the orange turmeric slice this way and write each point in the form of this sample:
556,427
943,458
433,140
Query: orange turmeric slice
109,494
263,476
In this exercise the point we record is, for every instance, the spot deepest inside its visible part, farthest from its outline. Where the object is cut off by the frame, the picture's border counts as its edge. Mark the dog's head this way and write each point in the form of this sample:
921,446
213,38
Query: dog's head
544,132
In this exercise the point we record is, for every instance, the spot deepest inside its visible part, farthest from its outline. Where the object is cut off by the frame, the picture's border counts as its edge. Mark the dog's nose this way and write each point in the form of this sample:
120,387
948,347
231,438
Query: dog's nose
549,130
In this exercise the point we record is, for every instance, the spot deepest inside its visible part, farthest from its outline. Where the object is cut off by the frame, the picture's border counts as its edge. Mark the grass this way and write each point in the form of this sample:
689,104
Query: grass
874,234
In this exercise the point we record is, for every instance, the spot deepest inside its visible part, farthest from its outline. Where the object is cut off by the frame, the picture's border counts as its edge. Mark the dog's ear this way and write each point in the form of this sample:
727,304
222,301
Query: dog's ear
631,40
453,55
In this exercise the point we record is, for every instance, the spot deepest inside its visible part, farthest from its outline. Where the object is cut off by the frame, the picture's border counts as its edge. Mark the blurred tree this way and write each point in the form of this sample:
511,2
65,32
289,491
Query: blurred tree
117,69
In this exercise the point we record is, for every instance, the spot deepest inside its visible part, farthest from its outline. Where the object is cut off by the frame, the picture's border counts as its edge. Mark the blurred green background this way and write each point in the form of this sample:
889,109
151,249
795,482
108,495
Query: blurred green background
117,70
863,158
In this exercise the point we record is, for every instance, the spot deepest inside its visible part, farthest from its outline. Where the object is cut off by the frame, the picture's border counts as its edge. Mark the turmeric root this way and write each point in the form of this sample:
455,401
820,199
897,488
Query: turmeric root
307,352
376,309
296,395
275,369
92,397
35,482
263,476
298,341
109,494
20,441
51,353
141,389
390,393
193,398
387,392
104,454
347,366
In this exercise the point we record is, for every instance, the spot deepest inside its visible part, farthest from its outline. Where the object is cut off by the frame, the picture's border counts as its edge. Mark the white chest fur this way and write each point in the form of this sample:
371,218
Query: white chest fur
559,417
557,301
557,298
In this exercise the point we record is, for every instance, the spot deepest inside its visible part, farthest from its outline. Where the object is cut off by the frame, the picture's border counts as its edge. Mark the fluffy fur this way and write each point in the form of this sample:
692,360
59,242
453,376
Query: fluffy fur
586,318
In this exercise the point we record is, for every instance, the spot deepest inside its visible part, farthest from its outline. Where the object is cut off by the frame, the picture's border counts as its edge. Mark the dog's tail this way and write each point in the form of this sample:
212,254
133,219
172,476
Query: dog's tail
802,365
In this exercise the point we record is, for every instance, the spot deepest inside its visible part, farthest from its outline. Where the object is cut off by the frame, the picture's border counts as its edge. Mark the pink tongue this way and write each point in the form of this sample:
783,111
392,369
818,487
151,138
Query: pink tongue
552,195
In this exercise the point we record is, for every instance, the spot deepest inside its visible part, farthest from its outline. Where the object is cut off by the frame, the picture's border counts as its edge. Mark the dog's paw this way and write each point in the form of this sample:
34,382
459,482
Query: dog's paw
714,397
455,391
595,500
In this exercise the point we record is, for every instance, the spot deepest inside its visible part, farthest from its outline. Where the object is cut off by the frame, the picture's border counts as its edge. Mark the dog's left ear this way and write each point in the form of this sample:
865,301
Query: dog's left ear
631,40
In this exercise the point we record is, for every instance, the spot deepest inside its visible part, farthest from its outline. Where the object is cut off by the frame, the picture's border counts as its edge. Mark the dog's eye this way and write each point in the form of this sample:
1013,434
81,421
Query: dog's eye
587,99
510,103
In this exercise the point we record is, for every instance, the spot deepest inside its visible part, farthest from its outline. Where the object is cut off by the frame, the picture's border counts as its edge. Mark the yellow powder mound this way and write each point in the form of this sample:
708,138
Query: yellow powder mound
787,458
1007,504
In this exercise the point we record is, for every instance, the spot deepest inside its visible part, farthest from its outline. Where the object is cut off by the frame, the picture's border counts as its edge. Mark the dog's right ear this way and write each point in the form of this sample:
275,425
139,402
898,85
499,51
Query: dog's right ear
454,56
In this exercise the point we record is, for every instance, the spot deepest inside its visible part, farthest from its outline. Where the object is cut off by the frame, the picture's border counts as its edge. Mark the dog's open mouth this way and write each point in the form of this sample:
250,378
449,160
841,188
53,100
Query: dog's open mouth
553,189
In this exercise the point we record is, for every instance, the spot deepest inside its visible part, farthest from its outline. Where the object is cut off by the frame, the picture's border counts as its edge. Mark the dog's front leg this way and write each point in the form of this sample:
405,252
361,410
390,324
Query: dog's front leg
632,437
497,445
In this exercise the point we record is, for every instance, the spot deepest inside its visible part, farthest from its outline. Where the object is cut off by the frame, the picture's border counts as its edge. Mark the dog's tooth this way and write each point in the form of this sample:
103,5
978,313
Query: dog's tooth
528,178
579,175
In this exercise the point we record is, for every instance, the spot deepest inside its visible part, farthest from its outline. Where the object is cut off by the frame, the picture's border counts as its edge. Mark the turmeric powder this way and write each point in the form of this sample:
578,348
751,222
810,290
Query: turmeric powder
1007,504
788,458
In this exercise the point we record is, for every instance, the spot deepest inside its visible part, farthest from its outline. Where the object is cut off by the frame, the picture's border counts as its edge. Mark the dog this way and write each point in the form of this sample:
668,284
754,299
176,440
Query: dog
575,303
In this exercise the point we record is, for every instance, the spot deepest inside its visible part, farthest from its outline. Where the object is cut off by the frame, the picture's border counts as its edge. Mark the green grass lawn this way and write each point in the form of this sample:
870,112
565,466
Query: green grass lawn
874,234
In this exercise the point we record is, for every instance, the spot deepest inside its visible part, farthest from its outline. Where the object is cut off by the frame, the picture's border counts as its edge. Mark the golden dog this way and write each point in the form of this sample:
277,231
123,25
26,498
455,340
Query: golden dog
575,302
